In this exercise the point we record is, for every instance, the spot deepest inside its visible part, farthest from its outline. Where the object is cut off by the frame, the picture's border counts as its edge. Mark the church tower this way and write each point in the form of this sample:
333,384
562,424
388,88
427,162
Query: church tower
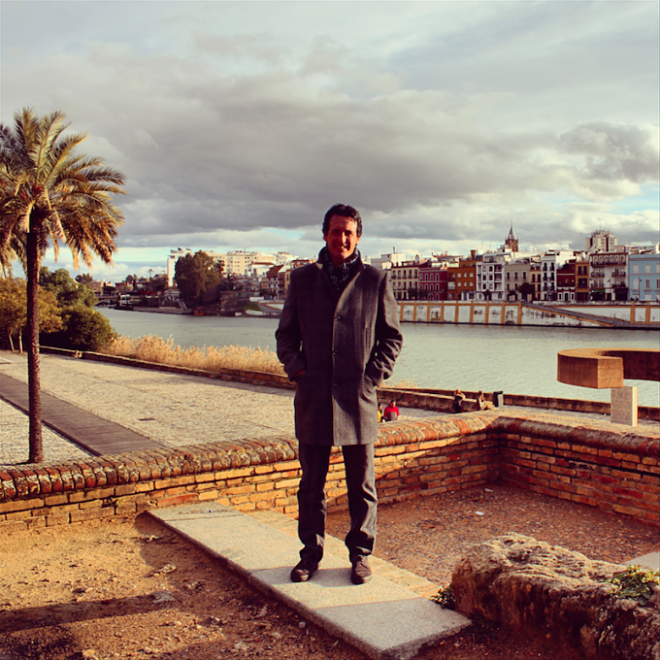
511,242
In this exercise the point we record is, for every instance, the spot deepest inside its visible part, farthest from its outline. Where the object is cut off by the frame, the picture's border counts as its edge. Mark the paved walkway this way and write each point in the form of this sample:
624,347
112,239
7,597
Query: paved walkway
164,408
91,433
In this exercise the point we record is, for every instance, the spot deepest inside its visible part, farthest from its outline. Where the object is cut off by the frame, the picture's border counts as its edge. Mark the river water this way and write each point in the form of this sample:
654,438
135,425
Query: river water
516,360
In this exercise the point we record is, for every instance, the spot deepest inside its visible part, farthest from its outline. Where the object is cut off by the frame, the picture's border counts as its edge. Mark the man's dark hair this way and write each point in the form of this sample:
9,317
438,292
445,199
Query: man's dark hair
345,212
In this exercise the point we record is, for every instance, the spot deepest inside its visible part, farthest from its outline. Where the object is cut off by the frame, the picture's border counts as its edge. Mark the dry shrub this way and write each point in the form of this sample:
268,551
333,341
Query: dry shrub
155,349
401,385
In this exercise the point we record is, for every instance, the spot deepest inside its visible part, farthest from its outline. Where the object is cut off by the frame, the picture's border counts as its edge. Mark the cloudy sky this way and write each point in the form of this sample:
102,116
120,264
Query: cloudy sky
237,124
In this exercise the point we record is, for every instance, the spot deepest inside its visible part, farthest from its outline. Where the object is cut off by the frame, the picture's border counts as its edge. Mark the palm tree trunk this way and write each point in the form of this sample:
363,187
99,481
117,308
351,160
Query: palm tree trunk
34,376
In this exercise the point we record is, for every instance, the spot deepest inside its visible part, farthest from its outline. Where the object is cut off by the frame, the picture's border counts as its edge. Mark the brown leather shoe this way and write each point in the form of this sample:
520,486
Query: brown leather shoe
361,571
303,570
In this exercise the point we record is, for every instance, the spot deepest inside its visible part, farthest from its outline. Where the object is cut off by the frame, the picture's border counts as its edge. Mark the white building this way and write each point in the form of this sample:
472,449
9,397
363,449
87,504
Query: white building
551,262
386,261
607,274
490,275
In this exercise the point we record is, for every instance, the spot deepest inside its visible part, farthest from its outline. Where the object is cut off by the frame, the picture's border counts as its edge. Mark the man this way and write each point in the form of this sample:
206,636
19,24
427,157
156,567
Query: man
338,339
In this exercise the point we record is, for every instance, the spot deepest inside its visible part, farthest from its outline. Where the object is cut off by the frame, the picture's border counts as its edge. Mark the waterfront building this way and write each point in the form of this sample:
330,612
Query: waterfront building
551,261
535,276
433,280
490,275
607,274
582,288
272,280
284,275
464,277
517,279
566,279
405,280
644,273
242,262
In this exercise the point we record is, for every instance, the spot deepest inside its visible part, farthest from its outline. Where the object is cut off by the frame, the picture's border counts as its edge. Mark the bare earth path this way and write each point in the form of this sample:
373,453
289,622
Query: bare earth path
131,589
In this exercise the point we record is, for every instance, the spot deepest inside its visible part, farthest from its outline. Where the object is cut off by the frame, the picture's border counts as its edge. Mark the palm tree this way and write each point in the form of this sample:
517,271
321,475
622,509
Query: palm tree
47,193
9,253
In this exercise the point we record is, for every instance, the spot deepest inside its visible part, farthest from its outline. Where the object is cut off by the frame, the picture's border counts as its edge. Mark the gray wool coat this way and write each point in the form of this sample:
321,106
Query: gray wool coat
346,347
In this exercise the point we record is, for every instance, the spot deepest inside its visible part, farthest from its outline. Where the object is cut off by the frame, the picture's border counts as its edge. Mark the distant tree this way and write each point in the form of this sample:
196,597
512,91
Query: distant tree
229,283
195,274
68,291
527,290
48,193
85,278
13,311
159,283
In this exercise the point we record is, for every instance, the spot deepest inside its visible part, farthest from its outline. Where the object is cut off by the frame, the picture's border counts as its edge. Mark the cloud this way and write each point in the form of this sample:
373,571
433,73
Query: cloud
442,122
615,152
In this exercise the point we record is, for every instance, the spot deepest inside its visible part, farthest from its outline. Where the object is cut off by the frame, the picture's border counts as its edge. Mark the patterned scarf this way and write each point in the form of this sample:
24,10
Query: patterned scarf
339,276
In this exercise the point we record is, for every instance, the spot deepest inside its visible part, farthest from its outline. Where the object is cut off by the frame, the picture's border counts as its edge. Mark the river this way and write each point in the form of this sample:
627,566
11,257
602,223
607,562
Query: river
516,360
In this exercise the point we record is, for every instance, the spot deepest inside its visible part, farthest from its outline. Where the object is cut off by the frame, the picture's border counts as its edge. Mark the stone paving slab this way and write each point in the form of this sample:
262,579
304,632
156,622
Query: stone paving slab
336,547
381,618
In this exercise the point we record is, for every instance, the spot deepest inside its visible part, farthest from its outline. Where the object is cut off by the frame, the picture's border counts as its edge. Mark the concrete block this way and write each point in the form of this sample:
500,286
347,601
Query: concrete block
624,406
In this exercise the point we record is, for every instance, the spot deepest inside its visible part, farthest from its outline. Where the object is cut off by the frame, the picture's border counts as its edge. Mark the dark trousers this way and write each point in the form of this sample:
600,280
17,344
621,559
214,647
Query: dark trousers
362,499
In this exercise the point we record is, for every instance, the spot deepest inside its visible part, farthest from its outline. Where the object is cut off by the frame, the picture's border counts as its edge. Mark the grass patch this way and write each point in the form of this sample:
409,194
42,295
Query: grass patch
636,583
445,598
209,358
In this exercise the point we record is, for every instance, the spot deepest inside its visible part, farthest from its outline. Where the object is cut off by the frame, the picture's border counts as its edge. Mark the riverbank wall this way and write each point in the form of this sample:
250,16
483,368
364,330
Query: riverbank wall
612,467
631,316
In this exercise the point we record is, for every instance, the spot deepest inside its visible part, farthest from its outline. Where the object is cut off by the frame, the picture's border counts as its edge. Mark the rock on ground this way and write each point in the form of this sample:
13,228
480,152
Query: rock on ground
557,595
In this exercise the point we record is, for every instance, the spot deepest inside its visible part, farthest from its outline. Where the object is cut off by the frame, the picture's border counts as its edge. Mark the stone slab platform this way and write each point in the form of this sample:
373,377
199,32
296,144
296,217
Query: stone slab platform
385,620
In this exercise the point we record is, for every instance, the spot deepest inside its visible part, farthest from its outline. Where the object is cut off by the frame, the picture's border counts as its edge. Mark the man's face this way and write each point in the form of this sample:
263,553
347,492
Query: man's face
341,239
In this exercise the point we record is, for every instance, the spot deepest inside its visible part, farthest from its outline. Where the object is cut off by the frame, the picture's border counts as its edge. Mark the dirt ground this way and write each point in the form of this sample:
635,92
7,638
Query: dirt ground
132,589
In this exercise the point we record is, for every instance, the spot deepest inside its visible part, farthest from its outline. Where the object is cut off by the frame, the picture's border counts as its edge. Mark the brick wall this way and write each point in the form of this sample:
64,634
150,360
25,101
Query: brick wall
613,468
